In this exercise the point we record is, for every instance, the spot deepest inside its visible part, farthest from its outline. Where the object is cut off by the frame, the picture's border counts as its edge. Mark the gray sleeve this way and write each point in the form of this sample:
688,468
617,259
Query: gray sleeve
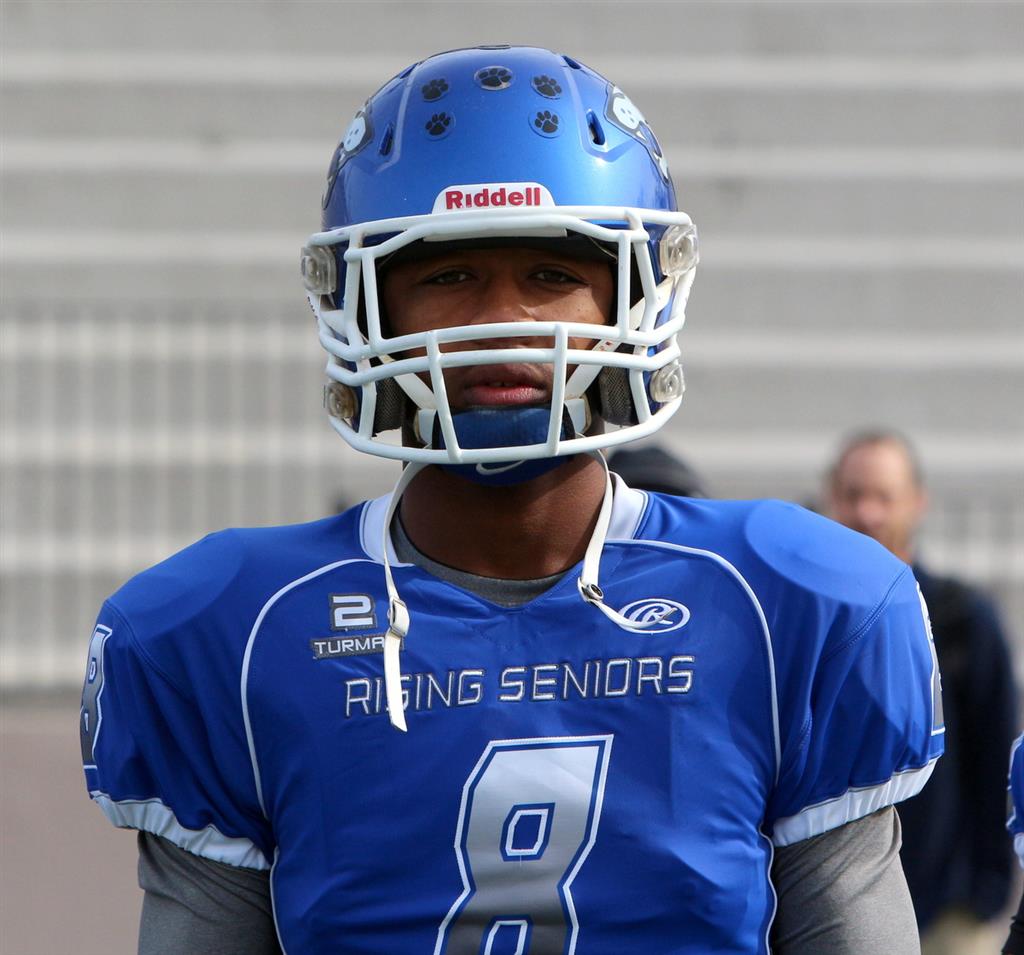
195,906
844,892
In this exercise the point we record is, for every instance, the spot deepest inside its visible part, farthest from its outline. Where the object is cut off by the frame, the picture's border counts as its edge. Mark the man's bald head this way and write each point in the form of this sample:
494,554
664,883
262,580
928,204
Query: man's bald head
876,487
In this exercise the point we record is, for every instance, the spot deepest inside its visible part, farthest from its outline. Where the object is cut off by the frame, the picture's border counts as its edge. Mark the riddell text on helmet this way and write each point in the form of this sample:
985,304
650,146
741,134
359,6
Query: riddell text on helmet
495,195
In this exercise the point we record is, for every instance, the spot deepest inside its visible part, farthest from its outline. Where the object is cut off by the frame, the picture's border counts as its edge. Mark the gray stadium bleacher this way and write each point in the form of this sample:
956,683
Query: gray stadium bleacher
856,170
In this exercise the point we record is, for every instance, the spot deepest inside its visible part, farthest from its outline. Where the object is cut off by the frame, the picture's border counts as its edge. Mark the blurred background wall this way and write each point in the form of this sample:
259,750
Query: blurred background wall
856,171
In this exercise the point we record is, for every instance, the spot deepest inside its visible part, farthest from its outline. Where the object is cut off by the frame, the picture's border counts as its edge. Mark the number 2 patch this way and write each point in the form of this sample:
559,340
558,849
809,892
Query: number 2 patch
529,817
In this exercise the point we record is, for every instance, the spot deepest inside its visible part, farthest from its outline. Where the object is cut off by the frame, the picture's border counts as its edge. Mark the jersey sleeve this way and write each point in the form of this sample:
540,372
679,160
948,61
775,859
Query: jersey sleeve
162,734
1015,820
865,714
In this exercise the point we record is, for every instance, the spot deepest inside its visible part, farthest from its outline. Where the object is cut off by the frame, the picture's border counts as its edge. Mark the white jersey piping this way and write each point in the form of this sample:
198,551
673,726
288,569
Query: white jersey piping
244,688
855,803
152,815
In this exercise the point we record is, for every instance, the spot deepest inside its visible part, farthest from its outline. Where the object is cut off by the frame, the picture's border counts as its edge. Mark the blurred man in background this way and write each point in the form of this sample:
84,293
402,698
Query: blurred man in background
955,852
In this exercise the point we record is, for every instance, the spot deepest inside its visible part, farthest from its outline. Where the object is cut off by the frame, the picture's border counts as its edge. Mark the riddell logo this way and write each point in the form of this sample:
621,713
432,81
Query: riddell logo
494,195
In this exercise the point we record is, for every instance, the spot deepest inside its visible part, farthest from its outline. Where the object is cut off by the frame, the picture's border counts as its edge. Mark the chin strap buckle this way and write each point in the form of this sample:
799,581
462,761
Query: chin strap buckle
590,591
398,617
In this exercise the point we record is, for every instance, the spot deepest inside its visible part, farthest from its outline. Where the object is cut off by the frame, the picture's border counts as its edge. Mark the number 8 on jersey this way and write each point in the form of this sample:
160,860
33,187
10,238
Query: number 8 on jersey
529,816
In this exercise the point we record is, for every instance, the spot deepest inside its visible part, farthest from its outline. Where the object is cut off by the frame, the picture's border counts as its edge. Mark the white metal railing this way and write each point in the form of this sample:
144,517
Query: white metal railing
129,430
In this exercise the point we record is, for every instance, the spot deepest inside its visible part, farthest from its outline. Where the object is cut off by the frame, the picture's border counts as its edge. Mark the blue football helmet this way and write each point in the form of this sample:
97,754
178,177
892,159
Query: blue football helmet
486,145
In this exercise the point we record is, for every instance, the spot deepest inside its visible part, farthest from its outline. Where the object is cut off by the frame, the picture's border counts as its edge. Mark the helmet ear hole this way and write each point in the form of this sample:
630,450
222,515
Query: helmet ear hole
389,412
615,400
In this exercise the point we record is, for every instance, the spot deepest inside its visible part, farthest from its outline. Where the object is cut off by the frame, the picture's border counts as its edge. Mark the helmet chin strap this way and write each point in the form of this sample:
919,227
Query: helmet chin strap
504,428
587,582
398,614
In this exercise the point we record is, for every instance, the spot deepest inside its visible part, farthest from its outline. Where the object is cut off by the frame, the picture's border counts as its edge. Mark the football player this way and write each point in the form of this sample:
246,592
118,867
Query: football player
514,706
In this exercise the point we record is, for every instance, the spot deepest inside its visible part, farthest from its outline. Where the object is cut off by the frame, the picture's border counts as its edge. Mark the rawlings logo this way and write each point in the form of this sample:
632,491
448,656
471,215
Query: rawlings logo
494,195
657,614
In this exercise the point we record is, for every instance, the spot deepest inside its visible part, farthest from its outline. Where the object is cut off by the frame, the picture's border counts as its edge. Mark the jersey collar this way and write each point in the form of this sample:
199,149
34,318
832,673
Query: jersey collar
628,509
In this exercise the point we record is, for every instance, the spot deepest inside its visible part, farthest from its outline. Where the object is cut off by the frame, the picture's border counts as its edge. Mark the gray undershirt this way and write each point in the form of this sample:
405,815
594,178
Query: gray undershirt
842,892
504,593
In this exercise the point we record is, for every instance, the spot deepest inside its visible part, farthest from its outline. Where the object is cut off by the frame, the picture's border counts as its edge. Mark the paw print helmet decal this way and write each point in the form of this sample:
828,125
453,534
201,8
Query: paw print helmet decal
438,125
547,86
546,122
494,77
434,89
534,147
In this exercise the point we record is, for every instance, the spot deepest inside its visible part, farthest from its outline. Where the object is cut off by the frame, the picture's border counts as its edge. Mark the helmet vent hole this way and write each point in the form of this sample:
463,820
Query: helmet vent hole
595,127
571,63
387,140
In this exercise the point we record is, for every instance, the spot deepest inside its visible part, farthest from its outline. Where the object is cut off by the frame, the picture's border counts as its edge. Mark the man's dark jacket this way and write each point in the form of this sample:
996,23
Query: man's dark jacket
956,851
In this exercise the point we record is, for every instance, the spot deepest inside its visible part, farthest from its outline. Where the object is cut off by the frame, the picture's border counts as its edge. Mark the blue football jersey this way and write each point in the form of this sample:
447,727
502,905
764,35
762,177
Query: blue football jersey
1015,820
566,785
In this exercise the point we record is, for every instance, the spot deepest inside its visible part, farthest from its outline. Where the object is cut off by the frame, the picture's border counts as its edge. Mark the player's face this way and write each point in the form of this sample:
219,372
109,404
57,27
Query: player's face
874,492
483,286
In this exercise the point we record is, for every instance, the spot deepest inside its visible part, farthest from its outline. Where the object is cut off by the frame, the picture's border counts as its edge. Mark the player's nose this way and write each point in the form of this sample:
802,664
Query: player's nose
502,299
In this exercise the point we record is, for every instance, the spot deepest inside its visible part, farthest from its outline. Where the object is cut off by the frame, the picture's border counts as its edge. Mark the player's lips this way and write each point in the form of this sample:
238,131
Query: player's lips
505,385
